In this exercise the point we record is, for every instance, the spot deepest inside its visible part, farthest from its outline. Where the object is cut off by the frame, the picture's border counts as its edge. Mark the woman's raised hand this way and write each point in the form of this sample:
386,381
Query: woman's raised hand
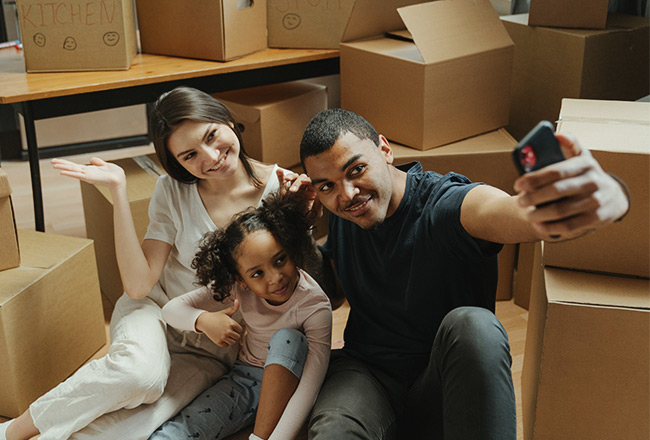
98,172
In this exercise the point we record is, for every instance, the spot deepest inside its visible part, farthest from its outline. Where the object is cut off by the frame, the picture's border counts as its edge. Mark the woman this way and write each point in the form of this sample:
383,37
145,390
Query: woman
210,178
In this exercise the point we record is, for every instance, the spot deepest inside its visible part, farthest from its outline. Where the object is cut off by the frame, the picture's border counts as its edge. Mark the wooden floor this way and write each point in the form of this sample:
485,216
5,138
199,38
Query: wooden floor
64,216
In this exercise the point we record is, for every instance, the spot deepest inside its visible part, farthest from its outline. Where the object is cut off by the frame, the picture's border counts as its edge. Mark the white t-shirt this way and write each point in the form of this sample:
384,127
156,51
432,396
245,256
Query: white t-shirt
178,217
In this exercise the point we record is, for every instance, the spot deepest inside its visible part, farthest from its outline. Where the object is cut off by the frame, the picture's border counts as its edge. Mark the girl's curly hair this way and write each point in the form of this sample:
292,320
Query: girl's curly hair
284,216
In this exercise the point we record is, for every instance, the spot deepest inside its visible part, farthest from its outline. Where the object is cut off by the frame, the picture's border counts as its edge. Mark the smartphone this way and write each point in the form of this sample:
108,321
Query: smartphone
539,148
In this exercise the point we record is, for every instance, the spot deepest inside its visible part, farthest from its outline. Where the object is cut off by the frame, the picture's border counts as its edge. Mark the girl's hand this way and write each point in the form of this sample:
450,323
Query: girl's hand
97,173
294,183
220,327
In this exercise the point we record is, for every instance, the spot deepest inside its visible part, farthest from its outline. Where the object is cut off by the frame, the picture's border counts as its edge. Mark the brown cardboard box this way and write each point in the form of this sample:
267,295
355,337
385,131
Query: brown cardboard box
618,135
451,82
51,318
113,123
585,14
485,158
218,30
273,118
141,175
9,254
77,34
587,357
307,24
551,64
529,255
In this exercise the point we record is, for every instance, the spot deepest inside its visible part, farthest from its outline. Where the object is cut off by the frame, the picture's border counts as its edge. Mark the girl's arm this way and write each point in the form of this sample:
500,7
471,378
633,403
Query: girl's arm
140,266
318,329
197,311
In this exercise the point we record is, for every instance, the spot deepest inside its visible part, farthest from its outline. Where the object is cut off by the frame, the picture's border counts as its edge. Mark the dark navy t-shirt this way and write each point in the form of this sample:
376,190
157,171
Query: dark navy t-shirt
403,277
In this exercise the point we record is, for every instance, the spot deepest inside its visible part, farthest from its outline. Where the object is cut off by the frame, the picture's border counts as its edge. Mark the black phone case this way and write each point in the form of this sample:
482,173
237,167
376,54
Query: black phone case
539,148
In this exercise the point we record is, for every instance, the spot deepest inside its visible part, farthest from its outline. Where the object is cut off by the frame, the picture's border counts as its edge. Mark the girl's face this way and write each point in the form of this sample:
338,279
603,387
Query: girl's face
205,149
266,268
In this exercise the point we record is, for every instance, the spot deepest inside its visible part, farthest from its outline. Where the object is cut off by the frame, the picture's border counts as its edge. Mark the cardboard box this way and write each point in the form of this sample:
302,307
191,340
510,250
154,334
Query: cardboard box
585,14
141,175
450,82
485,158
529,255
9,253
618,135
51,318
273,118
218,30
587,357
551,64
77,34
113,123
307,24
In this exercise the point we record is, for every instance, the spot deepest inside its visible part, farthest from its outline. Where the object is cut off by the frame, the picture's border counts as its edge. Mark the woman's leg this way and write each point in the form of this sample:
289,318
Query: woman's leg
134,372
219,411
285,360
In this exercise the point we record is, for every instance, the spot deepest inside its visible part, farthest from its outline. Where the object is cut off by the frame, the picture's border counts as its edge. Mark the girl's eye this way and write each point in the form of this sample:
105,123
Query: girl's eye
257,274
281,260
211,135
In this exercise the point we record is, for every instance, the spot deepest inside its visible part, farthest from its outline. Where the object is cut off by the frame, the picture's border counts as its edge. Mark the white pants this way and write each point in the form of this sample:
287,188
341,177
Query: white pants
148,375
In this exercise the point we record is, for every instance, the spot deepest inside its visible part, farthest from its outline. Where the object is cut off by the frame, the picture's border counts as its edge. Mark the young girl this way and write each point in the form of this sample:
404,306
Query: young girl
254,263
151,372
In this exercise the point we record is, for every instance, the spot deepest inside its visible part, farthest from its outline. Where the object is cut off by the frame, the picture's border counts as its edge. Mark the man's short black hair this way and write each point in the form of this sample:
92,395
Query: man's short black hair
328,126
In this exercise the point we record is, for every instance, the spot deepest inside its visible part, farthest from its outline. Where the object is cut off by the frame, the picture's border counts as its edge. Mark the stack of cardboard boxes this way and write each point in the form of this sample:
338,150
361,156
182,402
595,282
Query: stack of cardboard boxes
51,318
566,54
587,352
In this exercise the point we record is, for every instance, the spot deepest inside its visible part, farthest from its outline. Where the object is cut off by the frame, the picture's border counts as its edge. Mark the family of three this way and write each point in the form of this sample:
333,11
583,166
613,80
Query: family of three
226,317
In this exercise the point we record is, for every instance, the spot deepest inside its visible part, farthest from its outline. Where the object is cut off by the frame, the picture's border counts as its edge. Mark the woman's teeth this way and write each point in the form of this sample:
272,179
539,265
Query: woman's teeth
218,165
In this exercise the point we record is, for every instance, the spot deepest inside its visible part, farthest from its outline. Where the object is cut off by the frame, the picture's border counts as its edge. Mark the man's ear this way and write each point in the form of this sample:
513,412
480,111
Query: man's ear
385,149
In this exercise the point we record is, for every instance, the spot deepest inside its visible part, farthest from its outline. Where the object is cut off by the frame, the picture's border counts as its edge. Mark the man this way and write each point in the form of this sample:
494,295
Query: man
415,254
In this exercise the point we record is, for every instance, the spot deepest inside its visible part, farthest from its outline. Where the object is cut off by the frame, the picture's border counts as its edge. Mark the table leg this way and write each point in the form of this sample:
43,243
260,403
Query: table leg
34,167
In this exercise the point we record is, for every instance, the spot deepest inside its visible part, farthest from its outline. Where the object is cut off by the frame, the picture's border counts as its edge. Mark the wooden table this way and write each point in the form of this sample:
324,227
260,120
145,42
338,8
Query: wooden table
46,95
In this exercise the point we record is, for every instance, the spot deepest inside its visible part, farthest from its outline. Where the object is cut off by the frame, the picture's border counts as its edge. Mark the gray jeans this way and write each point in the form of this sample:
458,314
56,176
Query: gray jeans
231,403
465,392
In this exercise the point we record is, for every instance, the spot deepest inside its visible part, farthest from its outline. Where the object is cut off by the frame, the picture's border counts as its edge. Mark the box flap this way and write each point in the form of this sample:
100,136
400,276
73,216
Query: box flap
5,188
452,29
571,286
620,126
370,18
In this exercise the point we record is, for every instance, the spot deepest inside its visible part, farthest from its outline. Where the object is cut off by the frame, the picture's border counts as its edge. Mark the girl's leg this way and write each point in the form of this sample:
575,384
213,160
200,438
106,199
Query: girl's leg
219,411
134,372
285,360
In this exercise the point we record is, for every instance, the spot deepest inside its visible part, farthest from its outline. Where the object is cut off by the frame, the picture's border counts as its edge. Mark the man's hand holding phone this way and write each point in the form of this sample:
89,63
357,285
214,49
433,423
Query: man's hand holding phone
564,198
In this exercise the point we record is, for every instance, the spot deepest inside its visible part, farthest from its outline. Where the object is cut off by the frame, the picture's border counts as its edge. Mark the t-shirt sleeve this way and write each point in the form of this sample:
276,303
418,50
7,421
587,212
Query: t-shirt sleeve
183,311
446,215
161,219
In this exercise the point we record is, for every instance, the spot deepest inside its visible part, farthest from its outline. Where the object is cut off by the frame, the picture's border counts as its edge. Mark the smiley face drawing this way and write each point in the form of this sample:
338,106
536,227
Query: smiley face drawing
69,43
111,38
291,21
39,40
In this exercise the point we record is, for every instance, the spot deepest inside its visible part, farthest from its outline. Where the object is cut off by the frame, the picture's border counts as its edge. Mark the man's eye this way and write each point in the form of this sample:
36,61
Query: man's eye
325,187
358,169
